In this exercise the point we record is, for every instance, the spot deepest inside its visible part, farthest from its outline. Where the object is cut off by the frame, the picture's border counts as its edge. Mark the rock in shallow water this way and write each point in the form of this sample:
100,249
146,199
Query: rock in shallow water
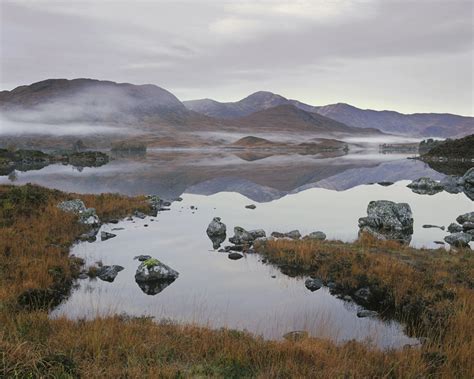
454,228
104,236
466,217
425,186
294,235
216,231
313,284
315,236
109,273
153,270
387,220
235,256
366,313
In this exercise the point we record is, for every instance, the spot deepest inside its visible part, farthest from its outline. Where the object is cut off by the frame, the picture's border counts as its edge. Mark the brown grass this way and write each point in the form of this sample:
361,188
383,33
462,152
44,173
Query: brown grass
34,244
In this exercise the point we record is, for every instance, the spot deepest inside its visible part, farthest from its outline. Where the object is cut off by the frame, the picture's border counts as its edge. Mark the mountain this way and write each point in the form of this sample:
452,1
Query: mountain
255,102
417,125
288,118
88,100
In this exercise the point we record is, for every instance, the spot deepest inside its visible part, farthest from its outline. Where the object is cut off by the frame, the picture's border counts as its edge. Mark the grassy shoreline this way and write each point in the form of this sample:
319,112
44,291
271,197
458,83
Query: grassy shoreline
35,239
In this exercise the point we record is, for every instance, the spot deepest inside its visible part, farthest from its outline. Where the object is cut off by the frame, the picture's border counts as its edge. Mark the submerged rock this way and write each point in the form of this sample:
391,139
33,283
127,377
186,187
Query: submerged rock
459,239
425,186
387,220
315,236
104,236
427,226
251,206
109,273
313,284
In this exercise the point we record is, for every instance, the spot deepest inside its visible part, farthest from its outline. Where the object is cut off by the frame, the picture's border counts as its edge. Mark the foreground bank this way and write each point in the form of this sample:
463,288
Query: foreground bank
36,272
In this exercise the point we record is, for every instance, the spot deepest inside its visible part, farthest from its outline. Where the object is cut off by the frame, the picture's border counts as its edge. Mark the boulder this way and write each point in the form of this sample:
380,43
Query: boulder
387,220
241,236
294,235
468,226
459,239
109,273
313,284
257,233
454,228
104,236
216,228
320,236
451,184
216,231
152,276
425,186
466,217
87,216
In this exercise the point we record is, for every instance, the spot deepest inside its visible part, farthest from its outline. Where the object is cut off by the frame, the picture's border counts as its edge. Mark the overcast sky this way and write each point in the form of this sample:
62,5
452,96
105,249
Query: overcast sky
406,55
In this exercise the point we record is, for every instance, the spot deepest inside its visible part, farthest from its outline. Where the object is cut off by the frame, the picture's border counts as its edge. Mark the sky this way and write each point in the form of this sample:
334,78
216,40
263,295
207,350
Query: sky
405,55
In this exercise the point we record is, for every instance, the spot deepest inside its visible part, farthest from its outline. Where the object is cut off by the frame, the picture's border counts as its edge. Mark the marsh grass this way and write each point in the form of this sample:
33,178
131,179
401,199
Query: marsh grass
35,239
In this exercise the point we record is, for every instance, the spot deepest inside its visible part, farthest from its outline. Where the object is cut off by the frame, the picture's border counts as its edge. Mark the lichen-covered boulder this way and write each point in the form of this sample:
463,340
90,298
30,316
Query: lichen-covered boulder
153,270
87,216
387,220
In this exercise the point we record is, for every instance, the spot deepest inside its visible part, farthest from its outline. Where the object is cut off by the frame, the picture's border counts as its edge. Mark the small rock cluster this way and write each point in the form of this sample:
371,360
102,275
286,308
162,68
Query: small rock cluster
87,216
451,184
463,232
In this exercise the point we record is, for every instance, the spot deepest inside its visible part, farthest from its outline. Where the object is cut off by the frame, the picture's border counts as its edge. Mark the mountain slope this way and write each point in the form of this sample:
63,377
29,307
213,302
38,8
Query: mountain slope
288,118
420,124
88,100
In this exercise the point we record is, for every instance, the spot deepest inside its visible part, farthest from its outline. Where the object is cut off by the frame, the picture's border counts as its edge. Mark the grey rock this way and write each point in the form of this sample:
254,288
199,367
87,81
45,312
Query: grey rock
241,236
153,270
294,234
454,228
387,220
216,231
425,186
466,217
257,233
251,206
83,276
459,239
142,257
90,235
216,228
320,236
366,313
451,184
313,284
109,273
468,225
235,256
104,236
154,287
87,216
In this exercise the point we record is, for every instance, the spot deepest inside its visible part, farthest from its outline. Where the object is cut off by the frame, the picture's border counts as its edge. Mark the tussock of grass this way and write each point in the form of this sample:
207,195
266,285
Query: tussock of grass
35,238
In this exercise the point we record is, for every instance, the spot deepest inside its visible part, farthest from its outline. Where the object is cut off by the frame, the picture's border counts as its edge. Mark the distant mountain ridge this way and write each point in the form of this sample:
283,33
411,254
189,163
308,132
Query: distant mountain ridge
418,124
